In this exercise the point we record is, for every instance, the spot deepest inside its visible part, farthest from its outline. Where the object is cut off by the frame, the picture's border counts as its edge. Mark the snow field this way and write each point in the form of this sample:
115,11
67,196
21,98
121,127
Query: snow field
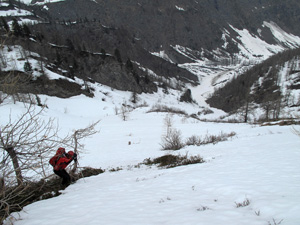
259,164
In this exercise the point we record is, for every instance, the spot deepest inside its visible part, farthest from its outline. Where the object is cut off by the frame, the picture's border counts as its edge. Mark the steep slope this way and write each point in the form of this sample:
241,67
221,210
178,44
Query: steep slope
272,85
194,24
253,177
138,46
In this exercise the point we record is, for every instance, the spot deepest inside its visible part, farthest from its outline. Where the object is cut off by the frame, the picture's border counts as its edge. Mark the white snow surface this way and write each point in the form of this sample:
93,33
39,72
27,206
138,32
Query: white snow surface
15,12
29,2
289,40
253,46
259,164
179,8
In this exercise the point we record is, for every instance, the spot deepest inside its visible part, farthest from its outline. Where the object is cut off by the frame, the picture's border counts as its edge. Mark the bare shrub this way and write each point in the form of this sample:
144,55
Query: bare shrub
163,108
203,208
274,222
168,121
14,198
124,112
89,171
26,143
245,203
214,139
209,139
10,84
170,161
205,111
194,140
173,140
77,137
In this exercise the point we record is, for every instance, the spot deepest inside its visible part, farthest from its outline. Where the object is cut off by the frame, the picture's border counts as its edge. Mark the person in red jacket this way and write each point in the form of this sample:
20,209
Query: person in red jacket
60,161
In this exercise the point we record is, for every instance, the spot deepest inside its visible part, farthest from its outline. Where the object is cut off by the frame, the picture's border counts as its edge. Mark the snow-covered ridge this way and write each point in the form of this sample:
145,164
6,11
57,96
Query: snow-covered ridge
29,2
179,8
163,55
252,50
251,47
15,12
15,57
21,14
283,38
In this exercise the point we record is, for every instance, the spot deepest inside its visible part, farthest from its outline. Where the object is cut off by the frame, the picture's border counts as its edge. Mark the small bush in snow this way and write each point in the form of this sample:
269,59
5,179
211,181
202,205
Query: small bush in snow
209,139
194,140
173,140
124,112
89,171
163,108
203,208
205,111
115,169
245,203
274,222
170,161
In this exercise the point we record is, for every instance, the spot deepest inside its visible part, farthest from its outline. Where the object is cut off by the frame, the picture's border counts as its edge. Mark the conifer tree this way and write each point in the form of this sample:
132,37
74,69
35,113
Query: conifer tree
118,55
16,28
26,30
4,24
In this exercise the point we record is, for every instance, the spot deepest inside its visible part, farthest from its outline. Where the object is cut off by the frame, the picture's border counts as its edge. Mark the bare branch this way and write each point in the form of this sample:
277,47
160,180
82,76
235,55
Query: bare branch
81,134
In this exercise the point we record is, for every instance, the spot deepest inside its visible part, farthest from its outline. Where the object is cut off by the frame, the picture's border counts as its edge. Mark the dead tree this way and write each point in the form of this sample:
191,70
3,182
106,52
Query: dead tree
10,85
26,141
26,144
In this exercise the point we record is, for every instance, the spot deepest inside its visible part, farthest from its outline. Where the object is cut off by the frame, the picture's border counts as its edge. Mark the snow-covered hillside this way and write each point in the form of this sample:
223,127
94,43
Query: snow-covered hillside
257,170
28,2
252,178
214,74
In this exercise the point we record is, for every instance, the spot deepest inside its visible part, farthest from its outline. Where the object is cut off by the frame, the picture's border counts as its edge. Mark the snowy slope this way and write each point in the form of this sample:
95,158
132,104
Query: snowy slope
260,164
21,14
29,2
253,50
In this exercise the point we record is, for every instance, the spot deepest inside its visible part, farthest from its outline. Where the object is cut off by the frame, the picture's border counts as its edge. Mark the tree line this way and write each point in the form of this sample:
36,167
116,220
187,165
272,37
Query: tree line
257,85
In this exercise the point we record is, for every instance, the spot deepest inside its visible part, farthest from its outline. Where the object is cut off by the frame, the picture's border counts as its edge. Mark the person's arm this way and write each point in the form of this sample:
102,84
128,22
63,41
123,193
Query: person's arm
75,157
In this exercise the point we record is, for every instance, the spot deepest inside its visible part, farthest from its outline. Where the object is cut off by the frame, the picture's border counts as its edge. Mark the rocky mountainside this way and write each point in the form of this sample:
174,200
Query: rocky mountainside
193,24
139,45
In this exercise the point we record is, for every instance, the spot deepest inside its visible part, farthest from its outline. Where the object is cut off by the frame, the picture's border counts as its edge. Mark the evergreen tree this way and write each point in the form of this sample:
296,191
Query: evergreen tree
103,54
27,67
26,30
69,44
4,24
118,55
58,58
129,65
16,28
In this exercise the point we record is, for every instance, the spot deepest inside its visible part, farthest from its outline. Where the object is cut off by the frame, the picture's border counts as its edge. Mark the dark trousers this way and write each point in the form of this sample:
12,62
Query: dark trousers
64,175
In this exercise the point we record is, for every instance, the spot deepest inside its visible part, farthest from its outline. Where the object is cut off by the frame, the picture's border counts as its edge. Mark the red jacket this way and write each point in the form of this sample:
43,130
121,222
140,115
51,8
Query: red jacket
61,159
